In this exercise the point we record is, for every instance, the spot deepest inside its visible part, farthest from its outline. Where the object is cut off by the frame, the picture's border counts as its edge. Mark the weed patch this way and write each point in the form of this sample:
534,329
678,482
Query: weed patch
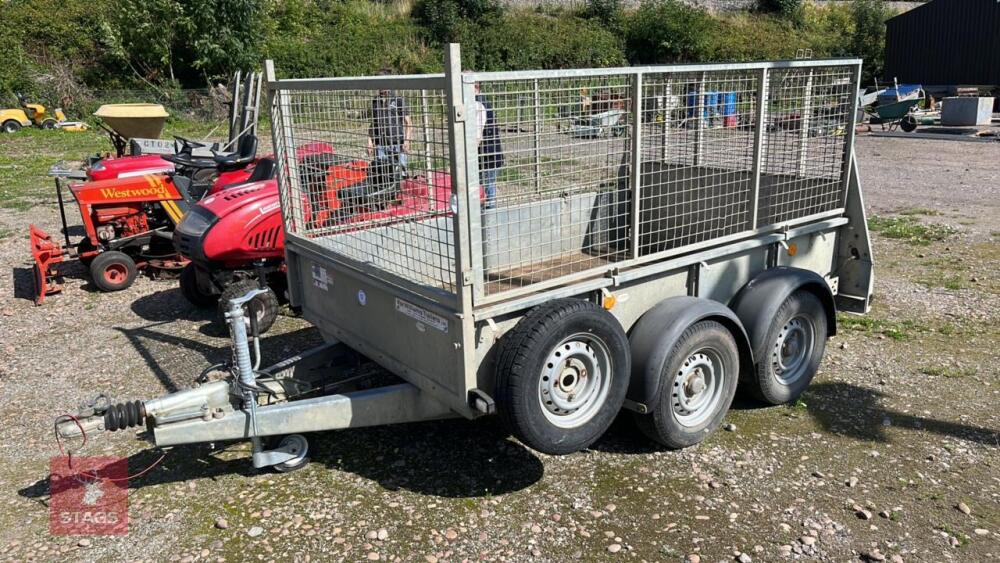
947,371
909,229
901,330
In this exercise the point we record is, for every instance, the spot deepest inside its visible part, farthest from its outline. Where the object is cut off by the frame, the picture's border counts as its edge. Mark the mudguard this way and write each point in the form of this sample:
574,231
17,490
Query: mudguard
658,330
759,300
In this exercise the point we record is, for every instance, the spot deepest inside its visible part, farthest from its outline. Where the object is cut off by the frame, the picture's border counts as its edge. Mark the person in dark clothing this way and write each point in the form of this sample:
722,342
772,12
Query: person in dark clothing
490,150
391,128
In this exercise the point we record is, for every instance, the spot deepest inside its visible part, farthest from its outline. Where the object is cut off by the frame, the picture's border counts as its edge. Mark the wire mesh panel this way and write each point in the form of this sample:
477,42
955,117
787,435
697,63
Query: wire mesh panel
367,175
808,114
552,160
707,153
696,176
577,172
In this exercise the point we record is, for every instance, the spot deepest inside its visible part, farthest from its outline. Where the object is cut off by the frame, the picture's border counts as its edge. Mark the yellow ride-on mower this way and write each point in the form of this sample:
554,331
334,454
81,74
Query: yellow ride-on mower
12,120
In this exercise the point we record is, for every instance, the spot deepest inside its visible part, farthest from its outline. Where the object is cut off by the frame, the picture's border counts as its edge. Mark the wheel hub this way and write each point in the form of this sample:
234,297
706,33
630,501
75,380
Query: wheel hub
697,388
792,349
575,380
115,273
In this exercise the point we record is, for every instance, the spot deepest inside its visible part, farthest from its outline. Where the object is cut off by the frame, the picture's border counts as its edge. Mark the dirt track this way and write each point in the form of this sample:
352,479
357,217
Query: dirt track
899,429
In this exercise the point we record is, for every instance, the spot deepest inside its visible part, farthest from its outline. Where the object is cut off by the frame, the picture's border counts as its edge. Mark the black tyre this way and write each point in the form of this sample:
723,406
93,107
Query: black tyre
49,124
697,387
11,126
196,287
264,306
908,124
85,246
562,374
796,342
112,271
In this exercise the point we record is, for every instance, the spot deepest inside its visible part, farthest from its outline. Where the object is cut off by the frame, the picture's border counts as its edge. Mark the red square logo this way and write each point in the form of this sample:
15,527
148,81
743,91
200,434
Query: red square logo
90,498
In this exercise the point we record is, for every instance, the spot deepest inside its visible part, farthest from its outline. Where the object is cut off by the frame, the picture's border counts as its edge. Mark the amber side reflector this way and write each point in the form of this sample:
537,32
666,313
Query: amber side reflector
609,301
793,249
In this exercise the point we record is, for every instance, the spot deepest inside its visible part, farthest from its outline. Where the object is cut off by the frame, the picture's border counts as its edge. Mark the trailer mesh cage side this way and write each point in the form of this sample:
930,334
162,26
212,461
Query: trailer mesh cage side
342,145
566,175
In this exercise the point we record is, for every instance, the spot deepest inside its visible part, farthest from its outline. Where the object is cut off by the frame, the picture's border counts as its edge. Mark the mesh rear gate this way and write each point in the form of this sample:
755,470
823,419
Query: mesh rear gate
569,174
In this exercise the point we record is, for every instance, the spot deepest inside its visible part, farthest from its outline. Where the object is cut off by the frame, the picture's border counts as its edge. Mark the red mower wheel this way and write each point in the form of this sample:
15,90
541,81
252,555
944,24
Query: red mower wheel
112,271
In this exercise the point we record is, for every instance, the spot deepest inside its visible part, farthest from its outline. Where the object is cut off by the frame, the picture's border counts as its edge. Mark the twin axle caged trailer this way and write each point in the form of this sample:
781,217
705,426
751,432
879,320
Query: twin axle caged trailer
654,271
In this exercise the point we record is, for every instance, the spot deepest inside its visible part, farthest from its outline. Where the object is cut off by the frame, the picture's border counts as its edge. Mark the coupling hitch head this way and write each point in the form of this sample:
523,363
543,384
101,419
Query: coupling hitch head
101,414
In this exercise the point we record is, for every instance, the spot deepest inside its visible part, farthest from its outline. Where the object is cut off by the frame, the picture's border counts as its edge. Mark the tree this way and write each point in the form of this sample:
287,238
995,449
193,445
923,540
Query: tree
186,41
668,31
445,19
868,41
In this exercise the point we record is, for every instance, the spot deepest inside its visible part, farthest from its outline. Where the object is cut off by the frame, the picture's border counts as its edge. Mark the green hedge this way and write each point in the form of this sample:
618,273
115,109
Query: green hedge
531,40
329,38
667,31
53,47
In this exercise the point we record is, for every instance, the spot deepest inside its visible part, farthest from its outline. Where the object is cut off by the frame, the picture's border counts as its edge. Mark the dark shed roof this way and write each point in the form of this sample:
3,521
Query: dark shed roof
945,42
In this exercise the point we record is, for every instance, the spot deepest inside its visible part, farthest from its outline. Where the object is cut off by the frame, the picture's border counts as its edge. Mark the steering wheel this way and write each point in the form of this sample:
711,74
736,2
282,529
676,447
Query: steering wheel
186,146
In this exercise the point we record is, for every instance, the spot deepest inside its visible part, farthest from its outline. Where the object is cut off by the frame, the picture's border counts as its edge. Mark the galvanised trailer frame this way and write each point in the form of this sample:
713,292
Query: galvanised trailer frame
730,195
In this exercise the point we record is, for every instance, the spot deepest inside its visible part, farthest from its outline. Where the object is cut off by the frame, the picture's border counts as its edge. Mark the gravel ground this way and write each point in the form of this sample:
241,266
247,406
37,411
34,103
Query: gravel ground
891,454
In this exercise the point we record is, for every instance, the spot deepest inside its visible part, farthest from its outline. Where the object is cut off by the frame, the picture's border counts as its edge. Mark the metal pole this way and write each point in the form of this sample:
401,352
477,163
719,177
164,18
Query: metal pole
536,138
233,104
758,144
665,133
849,133
635,165
284,141
428,163
805,124
467,221
701,108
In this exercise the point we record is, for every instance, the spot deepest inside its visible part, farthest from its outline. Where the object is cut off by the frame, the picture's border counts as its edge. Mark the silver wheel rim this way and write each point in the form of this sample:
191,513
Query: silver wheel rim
792,349
298,445
697,387
575,380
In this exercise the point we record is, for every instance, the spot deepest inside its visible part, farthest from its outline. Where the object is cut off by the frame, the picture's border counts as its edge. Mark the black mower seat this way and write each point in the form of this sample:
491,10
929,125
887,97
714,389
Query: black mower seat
263,170
244,155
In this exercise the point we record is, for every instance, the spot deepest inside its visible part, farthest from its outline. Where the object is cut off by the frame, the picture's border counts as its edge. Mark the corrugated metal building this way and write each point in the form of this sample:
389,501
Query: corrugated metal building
945,43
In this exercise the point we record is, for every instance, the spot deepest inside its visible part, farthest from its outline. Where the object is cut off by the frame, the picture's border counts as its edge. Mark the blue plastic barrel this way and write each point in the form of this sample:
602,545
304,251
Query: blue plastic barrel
692,103
729,109
711,103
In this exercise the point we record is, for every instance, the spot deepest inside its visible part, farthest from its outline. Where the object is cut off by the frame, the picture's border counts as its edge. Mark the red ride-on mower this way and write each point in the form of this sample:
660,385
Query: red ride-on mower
235,240
128,221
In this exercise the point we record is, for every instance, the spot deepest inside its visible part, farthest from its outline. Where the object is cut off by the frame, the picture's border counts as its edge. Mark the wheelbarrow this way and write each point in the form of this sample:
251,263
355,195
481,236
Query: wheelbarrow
894,114
608,123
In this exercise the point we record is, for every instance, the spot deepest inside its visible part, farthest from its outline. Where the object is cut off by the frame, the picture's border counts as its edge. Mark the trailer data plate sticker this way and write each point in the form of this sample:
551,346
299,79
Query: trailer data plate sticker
421,315
320,277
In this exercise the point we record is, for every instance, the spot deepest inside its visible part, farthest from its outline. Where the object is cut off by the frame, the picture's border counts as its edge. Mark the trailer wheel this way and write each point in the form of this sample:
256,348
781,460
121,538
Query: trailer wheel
796,341
113,271
193,288
562,374
265,306
11,126
300,447
699,383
